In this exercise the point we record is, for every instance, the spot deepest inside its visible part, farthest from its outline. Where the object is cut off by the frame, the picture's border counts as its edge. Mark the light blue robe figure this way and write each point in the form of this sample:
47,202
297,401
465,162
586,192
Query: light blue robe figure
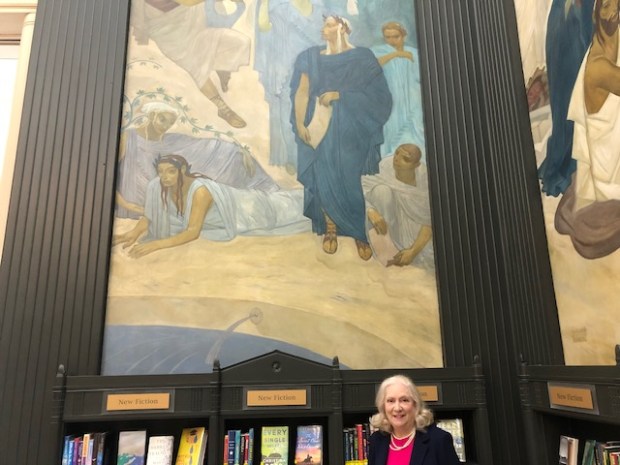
282,32
233,212
219,159
406,122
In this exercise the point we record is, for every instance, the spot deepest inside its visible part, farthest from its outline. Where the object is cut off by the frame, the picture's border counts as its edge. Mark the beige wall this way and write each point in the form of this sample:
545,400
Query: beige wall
16,27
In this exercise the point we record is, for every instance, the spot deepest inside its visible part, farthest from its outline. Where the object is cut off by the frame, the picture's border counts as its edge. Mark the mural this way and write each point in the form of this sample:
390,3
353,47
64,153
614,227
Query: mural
272,189
570,51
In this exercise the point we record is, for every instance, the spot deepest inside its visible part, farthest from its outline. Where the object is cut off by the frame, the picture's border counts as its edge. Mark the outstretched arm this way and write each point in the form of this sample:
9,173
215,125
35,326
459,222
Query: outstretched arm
406,256
201,203
130,237
132,207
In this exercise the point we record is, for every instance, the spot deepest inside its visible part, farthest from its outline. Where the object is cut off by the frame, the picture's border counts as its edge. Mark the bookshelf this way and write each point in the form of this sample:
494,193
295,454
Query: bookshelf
577,401
270,390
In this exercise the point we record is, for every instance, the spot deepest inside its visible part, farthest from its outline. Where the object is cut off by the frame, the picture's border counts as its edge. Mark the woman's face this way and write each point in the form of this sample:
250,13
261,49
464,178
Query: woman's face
330,29
168,174
400,409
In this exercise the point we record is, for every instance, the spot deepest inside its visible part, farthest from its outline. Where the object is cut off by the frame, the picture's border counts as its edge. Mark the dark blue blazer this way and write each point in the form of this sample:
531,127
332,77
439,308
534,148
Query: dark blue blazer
433,447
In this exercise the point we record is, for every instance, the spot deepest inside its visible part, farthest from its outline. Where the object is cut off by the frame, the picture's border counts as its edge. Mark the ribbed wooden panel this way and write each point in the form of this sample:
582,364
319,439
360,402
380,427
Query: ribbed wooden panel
54,271
496,293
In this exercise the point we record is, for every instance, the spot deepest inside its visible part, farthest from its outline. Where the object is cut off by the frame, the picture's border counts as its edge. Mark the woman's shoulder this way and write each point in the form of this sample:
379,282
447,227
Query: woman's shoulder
436,432
378,436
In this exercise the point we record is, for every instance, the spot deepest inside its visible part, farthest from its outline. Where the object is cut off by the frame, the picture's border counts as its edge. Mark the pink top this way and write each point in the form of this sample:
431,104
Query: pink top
402,456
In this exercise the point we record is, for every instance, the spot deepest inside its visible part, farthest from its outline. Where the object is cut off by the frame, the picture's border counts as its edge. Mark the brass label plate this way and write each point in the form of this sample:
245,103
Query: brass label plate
573,397
137,401
276,397
429,392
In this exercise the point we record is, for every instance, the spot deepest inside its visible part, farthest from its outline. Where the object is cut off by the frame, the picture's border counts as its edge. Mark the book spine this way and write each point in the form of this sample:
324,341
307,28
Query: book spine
231,447
237,447
251,446
225,459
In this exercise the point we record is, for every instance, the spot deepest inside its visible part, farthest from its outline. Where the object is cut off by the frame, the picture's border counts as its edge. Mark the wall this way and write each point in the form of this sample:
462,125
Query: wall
496,295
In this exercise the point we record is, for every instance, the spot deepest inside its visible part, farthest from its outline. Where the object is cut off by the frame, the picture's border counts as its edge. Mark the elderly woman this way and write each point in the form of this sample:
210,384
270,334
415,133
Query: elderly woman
349,82
218,159
406,433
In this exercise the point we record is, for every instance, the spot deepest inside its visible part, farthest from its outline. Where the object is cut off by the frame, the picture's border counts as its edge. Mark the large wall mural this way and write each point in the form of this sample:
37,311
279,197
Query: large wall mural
272,189
571,57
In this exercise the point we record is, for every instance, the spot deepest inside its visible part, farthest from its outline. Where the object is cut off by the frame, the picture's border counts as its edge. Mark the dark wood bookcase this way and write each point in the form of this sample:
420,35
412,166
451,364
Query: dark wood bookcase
547,416
221,400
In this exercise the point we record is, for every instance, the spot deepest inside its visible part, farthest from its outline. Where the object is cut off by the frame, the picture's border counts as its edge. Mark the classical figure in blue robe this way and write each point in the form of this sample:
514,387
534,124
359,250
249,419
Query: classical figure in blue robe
569,30
352,83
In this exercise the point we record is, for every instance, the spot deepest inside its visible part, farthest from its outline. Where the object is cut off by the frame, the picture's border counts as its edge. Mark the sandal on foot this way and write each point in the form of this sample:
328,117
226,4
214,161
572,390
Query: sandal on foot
363,249
231,117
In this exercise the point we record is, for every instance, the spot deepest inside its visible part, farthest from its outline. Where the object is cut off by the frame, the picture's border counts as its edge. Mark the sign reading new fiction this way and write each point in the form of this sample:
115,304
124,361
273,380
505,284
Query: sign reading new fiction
573,397
277,398
128,401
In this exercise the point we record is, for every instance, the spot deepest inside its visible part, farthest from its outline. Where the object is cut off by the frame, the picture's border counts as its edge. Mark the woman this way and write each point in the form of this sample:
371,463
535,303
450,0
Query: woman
182,206
221,160
349,84
406,433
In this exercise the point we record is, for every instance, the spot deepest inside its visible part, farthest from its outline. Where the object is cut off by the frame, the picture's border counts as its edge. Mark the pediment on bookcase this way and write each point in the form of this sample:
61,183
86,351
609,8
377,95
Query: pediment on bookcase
278,367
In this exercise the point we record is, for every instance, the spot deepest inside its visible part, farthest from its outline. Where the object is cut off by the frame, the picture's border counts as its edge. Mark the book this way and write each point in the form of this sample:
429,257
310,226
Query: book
87,448
192,446
67,450
251,446
454,426
99,448
309,445
274,445
232,446
160,450
225,459
568,450
131,447
588,453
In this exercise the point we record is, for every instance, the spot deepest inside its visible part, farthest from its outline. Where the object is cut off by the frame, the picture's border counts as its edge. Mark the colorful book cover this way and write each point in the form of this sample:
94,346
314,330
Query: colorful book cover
192,446
274,445
309,445
454,426
67,451
238,446
160,450
131,447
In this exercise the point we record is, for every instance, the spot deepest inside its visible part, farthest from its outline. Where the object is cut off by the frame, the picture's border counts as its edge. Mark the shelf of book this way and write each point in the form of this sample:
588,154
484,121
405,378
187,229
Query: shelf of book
580,402
273,390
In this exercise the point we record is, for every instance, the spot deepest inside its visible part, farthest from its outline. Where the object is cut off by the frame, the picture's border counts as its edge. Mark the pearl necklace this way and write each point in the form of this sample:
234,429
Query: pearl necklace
395,447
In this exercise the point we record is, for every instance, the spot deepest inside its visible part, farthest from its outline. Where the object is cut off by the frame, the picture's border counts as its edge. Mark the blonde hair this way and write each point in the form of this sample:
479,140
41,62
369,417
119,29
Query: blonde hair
423,415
